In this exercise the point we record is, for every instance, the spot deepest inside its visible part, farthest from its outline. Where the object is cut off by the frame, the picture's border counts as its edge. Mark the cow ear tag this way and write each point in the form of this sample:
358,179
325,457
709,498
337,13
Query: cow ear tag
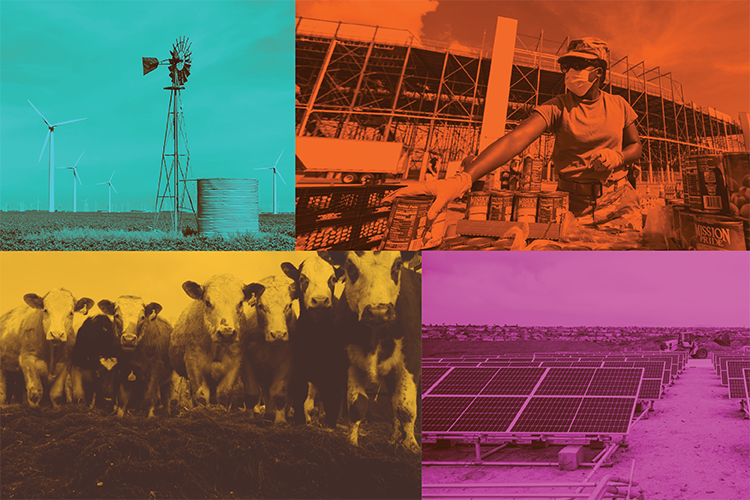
131,377
152,316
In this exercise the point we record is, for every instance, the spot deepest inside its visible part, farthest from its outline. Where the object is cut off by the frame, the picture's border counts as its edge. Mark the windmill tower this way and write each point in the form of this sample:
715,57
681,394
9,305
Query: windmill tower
74,168
175,166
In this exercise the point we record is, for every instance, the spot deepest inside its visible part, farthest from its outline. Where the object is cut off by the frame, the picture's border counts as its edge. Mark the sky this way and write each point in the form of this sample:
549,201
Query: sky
704,44
660,289
83,60
153,276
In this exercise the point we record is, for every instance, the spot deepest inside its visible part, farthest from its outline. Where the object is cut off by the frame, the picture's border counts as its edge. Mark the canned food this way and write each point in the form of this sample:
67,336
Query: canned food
524,207
704,183
501,205
737,171
552,207
406,223
477,205
718,233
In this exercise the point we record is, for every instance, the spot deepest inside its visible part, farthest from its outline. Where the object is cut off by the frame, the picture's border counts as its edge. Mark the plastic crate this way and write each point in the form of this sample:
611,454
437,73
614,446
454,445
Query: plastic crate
332,218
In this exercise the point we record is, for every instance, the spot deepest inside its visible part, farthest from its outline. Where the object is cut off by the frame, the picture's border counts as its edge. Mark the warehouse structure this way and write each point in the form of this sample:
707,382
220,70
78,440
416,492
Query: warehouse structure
380,84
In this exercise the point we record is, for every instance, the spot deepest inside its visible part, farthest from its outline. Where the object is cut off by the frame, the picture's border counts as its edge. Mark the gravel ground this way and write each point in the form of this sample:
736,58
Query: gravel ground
695,445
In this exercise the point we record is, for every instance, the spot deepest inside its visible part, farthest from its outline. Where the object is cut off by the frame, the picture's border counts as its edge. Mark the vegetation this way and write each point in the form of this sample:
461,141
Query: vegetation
133,231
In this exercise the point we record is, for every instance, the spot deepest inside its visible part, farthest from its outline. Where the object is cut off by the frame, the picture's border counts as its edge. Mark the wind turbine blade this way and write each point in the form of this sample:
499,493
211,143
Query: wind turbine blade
46,140
280,177
110,177
98,183
113,188
39,113
277,160
264,168
79,159
69,121
75,174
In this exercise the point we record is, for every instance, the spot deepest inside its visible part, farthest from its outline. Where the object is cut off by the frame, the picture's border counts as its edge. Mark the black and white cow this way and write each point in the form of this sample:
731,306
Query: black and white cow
319,359
380,316
96,363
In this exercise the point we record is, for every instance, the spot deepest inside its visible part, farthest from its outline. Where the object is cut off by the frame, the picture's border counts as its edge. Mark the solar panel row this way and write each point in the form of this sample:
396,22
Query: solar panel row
534,400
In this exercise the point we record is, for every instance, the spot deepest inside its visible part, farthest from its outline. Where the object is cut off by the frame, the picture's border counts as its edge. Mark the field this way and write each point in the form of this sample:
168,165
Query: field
76,452
132,231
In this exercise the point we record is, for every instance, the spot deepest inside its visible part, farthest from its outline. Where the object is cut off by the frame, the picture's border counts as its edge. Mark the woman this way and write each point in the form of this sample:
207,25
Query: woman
595,137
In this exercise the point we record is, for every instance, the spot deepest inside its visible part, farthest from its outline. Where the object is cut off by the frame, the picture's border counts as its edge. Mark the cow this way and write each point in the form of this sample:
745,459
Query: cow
205,346
143,364
37,340
269,323
319,359
96,363
380,315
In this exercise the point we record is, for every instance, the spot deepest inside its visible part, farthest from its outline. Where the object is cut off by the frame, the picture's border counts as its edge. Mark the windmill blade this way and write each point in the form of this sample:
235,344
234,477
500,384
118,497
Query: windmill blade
280,177
100,183
110,185
110,177
75,174
79,159
264,168
69,121
46,140
39,113
277,160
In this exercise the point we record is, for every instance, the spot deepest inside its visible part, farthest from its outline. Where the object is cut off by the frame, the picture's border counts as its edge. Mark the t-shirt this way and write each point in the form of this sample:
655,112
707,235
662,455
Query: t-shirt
581,129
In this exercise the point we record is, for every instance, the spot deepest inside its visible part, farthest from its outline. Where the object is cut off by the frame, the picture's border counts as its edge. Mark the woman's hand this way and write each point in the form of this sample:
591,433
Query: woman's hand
444,191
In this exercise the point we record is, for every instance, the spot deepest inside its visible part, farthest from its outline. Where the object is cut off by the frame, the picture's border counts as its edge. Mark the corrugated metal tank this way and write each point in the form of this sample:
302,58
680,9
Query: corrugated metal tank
227,206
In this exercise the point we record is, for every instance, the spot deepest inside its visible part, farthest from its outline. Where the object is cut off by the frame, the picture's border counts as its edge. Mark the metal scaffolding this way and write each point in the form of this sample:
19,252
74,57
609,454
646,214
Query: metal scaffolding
374,83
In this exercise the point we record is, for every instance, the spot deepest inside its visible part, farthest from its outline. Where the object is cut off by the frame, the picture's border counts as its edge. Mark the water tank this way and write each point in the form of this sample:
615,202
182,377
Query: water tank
227,206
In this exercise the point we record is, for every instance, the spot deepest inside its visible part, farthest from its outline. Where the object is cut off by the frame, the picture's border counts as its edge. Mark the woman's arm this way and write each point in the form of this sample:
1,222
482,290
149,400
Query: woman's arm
511,144
631,144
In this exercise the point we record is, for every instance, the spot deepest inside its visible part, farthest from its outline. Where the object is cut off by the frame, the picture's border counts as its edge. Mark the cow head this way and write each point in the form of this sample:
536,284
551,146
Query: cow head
222,297
315,281
130,316
372,283
273,309
58,307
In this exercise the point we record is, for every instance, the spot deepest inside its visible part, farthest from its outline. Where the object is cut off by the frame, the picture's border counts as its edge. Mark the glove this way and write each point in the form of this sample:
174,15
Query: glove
607,159
444,191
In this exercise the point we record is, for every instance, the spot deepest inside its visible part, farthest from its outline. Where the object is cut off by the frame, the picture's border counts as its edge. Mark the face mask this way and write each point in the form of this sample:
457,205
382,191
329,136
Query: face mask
578,81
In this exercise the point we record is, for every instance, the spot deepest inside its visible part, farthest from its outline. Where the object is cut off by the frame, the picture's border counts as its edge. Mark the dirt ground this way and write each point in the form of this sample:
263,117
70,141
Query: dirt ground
695,445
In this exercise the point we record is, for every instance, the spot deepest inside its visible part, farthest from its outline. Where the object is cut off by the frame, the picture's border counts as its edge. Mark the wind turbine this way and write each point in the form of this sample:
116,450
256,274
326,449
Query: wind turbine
111,187
86,205
75,177
51,138
37,203
275,173
96,206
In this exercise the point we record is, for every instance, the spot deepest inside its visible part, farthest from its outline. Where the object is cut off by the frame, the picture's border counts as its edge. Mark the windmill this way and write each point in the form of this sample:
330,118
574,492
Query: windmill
86,205
111,187
174,176
76,177
51,138
22,206
96,206
275,173
37,203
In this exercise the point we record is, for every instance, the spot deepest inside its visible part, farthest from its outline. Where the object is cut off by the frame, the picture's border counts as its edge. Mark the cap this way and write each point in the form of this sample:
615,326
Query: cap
587,48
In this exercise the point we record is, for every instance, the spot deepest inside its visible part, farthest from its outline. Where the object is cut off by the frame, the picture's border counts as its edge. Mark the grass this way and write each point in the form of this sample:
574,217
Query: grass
30,231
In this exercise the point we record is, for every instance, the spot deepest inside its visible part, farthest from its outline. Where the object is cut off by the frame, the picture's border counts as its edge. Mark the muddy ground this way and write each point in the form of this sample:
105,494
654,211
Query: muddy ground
695,445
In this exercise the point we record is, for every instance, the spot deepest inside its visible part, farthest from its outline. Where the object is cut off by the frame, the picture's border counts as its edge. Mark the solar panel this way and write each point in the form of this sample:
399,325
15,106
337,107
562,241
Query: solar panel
430,375
589,364
604,415
439,413
464,381
558,364
736,378
566,381
616,382
737,388
747,381
534,399
650,389
513,381
491,414
547,414
735,367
